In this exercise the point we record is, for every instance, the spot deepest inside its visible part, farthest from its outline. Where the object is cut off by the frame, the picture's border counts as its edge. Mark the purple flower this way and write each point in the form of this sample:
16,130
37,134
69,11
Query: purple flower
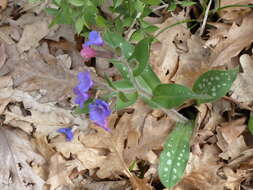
94,39
81,90
85,82
67,132
99,111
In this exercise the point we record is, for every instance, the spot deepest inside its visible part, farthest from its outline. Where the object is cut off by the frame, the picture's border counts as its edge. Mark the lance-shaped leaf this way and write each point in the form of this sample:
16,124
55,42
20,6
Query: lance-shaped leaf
173,95
141,54
175,155
215,83
149,76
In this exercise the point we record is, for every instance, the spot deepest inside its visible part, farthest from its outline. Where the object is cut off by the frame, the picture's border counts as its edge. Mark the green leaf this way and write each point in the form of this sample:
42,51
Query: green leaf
152,2
172,6
100,21
139,6
250,125
132,97
186,3
123,97
117,41
141,54
121,68
117,3
137,36
79,24
109,82
215,83
150,77
123,85
174,157
172,95
77,3
52,11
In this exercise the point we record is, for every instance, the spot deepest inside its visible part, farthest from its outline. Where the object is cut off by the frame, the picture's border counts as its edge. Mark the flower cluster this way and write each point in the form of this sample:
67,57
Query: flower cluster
94,39
99,110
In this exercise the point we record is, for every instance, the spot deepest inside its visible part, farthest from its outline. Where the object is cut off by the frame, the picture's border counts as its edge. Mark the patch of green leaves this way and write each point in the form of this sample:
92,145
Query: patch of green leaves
175,155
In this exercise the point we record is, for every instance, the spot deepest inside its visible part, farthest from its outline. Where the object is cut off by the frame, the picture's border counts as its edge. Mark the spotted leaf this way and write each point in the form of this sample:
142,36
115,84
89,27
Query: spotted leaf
215,83
174,157
173,95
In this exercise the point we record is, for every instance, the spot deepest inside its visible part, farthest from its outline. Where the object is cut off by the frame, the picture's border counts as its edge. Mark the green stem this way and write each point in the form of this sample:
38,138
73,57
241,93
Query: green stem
175,24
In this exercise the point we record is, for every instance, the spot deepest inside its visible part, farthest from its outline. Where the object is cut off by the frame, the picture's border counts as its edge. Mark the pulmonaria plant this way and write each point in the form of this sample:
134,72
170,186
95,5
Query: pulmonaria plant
139,81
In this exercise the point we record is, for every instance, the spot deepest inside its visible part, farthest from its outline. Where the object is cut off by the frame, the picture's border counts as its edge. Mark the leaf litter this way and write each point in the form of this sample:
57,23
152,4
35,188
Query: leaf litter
38,71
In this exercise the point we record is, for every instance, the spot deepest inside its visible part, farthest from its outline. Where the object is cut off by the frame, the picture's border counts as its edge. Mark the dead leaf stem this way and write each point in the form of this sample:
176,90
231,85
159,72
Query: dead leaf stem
205,18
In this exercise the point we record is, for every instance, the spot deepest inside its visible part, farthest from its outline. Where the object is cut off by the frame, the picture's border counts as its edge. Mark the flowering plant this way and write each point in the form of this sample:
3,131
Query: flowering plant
126,39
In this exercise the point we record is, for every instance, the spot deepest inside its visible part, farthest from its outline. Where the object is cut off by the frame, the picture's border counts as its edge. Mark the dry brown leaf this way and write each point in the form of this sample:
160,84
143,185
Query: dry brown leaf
234,13
237,38
152,137
242,87
54,81
230,140
16,157
3,4
5,92
59,172
164,55
107,185
3,55
31,35
43,119
140,184
113,142
180,57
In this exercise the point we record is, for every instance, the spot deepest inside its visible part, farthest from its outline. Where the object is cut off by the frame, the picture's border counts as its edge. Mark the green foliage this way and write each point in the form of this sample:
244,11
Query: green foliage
175,155
215,83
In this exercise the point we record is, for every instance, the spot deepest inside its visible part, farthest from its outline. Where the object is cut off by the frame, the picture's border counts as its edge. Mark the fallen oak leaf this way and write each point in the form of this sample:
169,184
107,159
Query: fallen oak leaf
16,154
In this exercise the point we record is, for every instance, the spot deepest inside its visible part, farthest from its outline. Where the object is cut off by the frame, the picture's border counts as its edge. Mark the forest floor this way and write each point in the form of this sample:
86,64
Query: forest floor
38,69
